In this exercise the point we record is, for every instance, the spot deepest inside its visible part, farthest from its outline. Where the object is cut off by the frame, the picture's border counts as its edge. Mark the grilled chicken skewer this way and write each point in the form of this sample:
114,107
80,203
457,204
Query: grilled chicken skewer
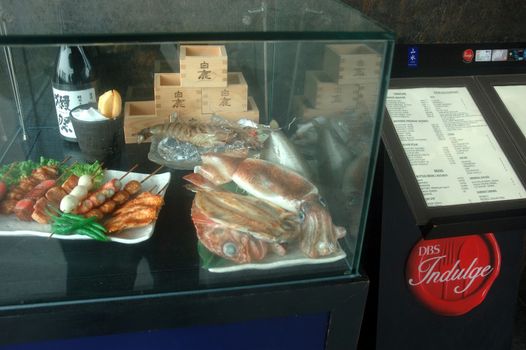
24,208
119,198
26,184
139,217
130,189
137,212
101,196
45,178
52,197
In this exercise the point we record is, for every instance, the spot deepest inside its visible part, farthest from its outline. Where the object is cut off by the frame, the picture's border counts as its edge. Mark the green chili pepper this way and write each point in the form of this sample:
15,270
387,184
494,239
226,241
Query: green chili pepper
62,230
91,233
77,218
74,226
68,224
99,226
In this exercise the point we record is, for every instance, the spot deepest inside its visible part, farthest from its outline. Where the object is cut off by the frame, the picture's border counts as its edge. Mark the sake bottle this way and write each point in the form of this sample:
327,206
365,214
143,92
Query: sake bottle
74,84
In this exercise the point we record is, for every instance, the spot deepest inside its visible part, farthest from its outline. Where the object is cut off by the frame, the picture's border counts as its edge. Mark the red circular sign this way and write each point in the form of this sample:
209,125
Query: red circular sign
451,276
468,55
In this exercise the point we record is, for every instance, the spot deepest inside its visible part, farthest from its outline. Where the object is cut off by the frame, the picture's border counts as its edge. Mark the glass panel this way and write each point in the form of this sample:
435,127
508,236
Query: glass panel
318,103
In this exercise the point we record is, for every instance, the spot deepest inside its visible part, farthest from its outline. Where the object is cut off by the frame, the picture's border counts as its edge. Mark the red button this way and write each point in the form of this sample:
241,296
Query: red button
451,276
467,56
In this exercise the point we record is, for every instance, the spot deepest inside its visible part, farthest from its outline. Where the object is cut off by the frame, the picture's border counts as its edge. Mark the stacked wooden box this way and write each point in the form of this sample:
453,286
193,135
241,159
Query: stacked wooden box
203,88
137,116
348,82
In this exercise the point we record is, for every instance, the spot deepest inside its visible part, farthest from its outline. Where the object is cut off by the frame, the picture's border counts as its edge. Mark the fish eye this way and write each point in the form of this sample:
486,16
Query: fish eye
301,215
229,249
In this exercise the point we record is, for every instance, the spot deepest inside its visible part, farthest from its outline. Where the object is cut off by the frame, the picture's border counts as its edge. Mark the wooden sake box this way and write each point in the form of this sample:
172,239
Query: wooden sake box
203,66
303,109
322,93
232,98
171,97
137,116
351,63
366,95
252,113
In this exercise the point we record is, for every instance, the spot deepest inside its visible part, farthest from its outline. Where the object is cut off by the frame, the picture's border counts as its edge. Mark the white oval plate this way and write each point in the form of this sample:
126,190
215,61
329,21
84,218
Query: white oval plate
11,226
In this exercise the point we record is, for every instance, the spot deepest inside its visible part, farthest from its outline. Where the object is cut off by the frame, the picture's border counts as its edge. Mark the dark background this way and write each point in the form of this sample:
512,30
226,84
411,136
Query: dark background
449,21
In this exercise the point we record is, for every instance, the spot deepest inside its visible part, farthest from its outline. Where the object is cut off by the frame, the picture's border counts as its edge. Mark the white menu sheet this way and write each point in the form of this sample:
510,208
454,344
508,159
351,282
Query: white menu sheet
514,97
453,153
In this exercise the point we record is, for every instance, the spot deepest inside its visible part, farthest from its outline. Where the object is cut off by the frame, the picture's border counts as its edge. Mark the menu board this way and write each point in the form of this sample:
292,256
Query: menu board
513,97
452,151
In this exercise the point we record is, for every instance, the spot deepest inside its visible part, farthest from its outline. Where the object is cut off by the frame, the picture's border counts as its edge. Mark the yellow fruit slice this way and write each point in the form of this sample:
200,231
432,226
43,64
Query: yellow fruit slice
110,104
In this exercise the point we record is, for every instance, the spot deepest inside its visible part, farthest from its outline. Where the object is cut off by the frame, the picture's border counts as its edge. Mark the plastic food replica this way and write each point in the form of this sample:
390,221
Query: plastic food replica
180,143
281,206
255,204
216,132
80,199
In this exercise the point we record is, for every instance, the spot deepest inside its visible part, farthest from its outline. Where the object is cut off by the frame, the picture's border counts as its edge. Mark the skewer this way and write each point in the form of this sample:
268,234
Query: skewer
93,176
153,173
151,189
101,168
9,170
65,171
162,189
65,160
129,171
53,208
101,164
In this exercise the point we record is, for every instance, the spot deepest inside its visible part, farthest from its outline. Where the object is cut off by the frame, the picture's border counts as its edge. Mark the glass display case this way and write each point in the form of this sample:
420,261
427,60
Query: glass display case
280,100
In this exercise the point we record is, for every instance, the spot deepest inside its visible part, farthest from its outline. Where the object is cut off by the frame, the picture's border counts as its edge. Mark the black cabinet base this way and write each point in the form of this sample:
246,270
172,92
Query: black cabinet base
344,301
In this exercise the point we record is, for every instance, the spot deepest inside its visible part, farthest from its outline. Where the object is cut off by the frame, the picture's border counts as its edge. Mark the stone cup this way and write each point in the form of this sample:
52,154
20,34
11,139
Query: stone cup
98,139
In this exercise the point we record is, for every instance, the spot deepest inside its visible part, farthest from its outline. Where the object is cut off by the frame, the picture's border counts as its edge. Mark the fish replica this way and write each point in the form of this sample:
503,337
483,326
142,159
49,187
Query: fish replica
216,132
241,228
279,150
298,211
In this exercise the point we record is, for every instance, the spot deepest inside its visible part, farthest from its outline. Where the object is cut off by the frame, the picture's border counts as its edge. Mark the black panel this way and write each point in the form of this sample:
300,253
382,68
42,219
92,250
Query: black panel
404,323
